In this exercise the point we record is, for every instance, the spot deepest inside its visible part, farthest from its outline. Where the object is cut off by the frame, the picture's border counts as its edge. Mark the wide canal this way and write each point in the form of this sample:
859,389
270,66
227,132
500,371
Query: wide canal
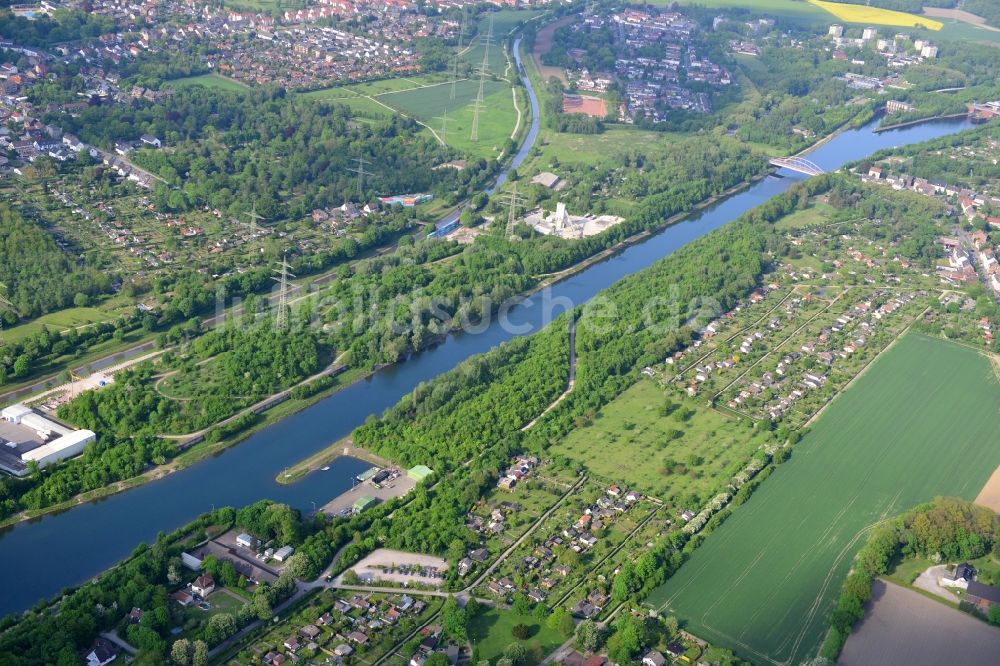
39,558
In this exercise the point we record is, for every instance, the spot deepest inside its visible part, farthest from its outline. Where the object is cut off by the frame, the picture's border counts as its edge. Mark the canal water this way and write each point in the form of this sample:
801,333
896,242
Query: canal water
39,558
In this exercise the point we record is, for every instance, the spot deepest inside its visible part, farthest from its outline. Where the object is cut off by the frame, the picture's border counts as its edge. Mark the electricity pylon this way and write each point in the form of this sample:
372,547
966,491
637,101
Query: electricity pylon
514,201
444,131
281,321
360,170
253,218
478,105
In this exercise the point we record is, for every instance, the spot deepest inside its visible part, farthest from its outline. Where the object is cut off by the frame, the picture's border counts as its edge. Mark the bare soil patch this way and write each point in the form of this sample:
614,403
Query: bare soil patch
906,628
543,43
989,496
591,106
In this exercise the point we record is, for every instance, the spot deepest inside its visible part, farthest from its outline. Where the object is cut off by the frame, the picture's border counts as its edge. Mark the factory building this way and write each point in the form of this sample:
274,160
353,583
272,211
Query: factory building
27,436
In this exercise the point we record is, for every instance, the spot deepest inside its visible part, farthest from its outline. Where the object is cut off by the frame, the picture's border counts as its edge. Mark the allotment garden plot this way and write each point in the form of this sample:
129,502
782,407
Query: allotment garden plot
569,559
816,323
765,581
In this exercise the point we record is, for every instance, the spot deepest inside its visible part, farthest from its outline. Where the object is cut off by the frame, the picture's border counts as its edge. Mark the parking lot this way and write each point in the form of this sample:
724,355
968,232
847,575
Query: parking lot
400,567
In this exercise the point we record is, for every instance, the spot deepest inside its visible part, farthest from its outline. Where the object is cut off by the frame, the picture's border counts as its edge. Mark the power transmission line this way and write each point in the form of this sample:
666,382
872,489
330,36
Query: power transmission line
461,35
253,218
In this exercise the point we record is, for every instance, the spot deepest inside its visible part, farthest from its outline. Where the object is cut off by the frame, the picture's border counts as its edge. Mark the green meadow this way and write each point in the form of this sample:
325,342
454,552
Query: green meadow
209,81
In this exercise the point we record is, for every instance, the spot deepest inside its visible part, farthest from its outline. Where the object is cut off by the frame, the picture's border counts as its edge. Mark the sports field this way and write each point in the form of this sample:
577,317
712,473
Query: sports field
862,14
922,422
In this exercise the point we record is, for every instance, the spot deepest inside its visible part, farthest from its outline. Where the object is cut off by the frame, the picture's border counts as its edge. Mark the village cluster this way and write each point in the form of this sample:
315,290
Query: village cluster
652,85
970,256
347,626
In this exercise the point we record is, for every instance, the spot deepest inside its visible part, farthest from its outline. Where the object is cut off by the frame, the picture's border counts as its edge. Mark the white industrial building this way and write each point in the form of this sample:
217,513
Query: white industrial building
27,436
562,224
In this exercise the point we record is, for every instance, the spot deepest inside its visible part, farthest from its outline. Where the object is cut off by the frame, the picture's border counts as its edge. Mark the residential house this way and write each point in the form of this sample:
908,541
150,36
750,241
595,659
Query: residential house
960,577
102,653
182,598
653,658
358,637
310,632
203,586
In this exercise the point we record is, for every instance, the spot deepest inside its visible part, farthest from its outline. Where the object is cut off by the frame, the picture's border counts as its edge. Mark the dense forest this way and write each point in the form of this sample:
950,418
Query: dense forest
227,368
38,276
284,153
65,26
794,88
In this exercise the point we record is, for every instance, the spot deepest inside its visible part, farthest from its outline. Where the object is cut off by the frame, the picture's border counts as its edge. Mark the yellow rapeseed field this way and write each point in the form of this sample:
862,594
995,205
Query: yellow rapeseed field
874,15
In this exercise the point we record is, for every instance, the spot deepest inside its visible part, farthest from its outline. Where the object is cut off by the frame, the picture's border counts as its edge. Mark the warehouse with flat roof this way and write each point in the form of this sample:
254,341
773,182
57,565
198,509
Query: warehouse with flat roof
27,436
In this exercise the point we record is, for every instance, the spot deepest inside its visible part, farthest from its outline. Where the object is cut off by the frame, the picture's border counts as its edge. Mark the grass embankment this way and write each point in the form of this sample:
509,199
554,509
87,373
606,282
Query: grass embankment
766,579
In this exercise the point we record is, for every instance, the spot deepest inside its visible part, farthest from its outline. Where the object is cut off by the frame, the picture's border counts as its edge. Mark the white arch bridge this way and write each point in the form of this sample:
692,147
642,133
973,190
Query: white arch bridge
799,164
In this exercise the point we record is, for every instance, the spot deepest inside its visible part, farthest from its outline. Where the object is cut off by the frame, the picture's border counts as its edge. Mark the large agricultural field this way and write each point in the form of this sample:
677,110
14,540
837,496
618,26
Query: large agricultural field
807,12
684,455
764,582
862,14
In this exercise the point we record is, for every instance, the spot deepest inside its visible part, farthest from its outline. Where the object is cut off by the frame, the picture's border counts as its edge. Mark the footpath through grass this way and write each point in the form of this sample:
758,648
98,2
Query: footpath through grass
921,423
